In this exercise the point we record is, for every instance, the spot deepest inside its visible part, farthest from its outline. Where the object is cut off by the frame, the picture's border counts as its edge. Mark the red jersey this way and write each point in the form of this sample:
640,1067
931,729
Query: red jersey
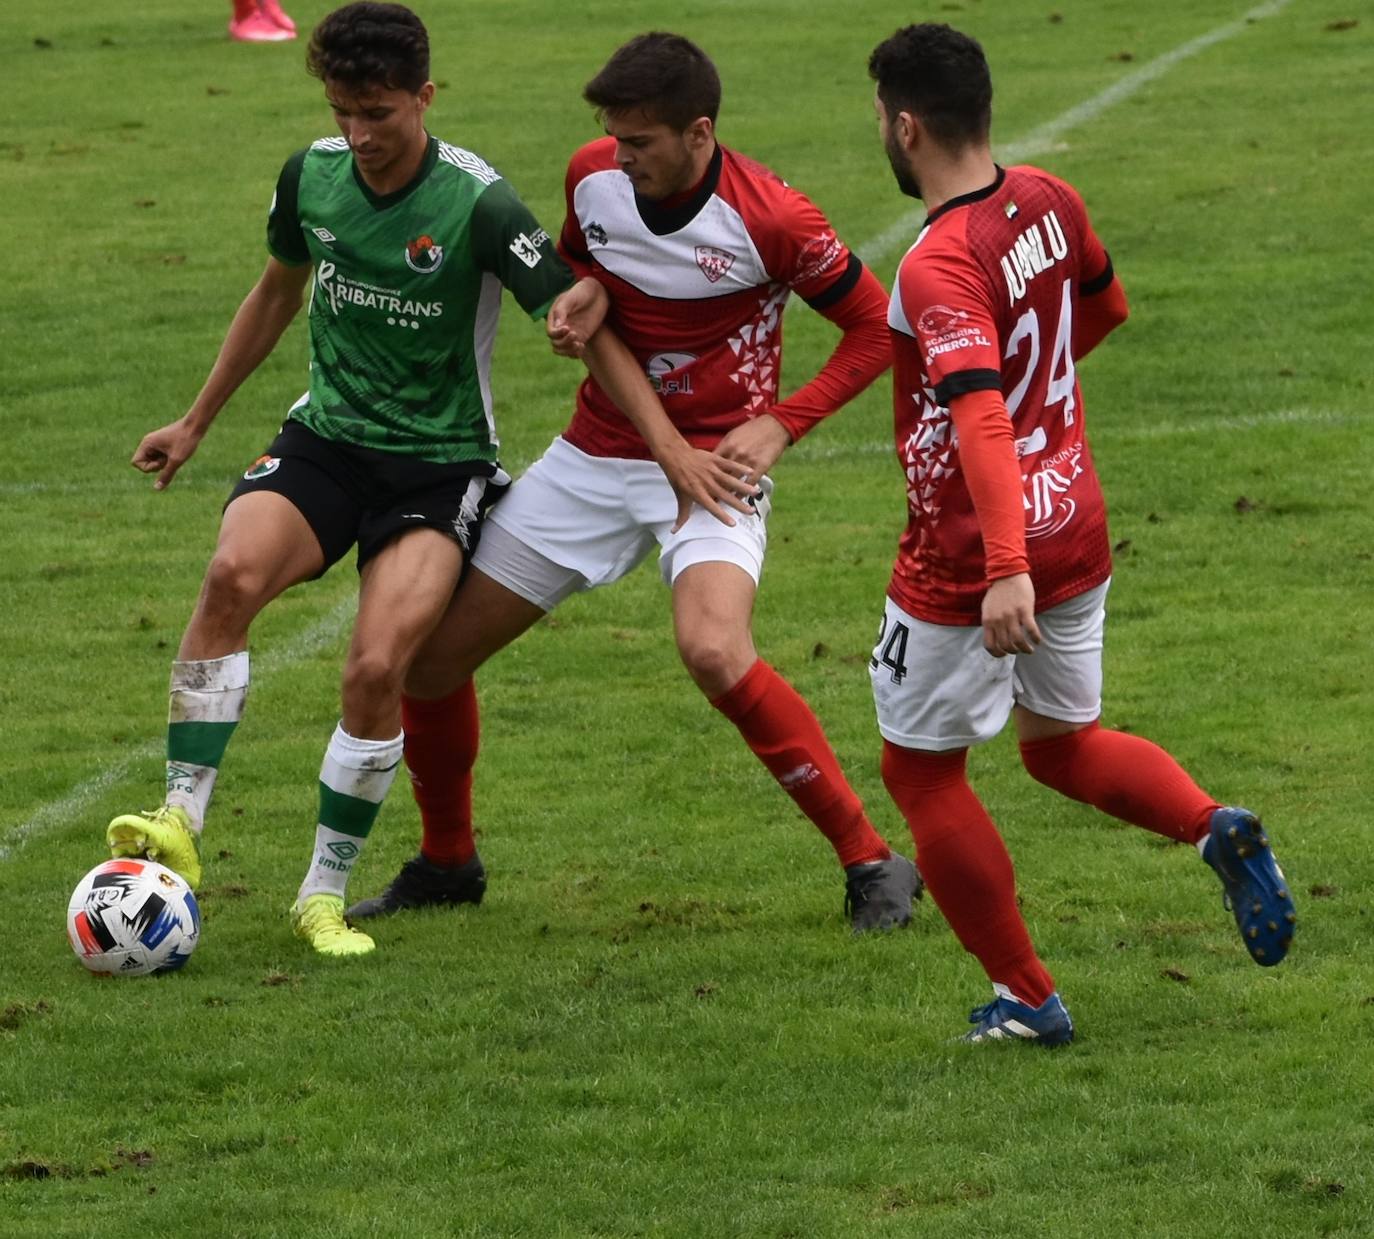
986,300
697,285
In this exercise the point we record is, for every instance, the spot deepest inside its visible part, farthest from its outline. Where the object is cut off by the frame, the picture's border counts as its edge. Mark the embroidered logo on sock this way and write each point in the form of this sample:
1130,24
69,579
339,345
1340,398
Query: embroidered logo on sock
799,777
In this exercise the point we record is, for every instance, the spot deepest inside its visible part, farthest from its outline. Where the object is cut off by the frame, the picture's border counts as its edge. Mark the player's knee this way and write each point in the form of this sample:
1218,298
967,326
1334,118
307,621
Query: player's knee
716,663
372,677
235,585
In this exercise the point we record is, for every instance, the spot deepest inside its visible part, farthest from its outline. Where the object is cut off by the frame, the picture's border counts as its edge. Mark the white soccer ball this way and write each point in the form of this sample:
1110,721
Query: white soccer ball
132,917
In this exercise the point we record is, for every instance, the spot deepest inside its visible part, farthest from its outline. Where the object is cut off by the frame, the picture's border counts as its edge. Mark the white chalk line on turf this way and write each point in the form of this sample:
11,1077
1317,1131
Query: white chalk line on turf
1044,138
1034,143
320,635
1136,430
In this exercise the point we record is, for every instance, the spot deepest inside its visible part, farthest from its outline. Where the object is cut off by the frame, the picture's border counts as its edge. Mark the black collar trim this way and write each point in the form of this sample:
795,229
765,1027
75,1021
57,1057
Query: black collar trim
965,199
661,220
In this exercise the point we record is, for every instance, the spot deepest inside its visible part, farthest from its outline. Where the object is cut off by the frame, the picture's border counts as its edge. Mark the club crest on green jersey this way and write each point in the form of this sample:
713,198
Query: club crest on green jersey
423,256
262,467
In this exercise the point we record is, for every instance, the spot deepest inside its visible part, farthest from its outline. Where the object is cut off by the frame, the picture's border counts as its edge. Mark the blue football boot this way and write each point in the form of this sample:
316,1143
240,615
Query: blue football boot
1256,891
1007,1019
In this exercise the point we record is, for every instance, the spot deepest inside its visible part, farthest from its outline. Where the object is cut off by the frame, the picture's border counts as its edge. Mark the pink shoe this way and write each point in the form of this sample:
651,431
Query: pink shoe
256,28
272,10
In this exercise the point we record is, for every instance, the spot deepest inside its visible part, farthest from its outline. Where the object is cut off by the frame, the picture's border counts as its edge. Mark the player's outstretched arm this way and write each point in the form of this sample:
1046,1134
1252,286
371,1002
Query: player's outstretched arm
257,326
863,352
697,477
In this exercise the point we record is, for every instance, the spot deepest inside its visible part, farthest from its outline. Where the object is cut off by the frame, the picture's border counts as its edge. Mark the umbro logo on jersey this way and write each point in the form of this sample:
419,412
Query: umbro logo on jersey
526,249
596,234
325,235
423,256
714,263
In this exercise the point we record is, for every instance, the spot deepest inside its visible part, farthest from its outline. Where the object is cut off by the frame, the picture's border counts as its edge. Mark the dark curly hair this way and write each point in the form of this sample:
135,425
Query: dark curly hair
938,75
370,46
669,77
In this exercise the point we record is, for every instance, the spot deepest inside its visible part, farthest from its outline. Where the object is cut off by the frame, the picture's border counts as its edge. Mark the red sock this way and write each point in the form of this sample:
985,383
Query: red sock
1125,776
244,8
965,865
440,752
787,737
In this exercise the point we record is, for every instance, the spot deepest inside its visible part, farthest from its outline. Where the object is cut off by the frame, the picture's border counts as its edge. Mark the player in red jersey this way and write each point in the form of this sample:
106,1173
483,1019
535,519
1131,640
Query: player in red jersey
698,249
996,603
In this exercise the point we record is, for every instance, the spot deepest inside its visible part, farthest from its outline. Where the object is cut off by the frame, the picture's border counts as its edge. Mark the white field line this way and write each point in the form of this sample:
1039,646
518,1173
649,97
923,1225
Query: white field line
1034,143
1043,139
1140,430
325,632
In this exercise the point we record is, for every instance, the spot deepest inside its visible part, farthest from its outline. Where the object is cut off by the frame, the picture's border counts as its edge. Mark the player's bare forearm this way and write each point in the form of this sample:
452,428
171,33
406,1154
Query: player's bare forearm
705,478
258,324
256,327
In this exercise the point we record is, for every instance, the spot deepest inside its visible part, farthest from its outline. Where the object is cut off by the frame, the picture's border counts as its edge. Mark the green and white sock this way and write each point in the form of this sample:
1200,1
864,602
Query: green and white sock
354,780
205,704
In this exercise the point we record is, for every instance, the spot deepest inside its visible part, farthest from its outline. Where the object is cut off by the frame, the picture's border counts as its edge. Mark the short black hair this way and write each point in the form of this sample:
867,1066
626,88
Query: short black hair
369,46
665,75
938,75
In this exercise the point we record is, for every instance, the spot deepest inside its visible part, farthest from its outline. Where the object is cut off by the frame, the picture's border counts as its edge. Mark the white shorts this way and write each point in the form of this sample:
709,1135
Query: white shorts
574,521
937,688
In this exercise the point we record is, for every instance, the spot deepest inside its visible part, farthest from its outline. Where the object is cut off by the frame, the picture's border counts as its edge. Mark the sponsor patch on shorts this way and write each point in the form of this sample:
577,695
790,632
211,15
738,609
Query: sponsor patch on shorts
262,467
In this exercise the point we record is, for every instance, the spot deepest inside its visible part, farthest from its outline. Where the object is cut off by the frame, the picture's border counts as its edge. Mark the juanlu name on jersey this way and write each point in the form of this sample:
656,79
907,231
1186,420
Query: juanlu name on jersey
339,289
1027,257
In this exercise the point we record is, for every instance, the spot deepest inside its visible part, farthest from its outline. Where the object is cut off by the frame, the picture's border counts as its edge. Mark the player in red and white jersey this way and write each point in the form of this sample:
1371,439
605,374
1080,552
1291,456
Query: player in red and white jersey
996,604
698,282
695,250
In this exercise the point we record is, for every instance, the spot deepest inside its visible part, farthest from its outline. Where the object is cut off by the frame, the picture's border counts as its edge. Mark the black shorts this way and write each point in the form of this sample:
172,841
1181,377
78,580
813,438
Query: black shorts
359,495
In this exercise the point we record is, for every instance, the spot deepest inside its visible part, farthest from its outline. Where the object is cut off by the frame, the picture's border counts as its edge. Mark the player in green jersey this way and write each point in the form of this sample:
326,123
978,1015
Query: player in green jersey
407,242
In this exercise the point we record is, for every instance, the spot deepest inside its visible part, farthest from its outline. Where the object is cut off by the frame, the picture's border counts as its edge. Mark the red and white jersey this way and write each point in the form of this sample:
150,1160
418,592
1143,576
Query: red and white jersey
697,286
986,301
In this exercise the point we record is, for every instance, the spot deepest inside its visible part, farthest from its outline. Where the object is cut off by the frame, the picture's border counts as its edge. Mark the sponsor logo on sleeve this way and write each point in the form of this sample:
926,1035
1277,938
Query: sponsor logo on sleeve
327,237
526,248
423,255
817,256
595,234
714,263
943,330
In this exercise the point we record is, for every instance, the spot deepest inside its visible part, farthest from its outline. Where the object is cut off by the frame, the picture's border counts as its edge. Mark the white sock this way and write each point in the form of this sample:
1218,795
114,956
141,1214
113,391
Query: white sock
205,703
354,779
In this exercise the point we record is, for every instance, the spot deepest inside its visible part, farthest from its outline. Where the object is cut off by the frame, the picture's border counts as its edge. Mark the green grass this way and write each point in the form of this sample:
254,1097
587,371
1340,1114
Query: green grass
656,1024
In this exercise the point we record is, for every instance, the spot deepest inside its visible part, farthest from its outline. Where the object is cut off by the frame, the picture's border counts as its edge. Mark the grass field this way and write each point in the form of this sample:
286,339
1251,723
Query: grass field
657,1023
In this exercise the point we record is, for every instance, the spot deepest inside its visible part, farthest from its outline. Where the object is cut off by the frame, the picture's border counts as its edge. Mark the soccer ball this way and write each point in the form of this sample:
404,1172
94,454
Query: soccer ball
132,917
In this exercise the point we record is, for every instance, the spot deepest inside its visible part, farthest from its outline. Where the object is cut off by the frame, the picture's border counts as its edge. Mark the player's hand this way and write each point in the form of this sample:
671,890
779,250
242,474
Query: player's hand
1009,616
755,444
165,450
707,480
576,316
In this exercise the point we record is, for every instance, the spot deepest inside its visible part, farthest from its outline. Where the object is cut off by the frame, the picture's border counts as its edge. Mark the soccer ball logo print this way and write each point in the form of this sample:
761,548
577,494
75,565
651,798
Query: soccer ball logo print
423,256
132,917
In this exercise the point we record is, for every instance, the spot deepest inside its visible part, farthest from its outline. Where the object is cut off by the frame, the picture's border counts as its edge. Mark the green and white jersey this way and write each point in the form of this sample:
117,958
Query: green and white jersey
406,295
